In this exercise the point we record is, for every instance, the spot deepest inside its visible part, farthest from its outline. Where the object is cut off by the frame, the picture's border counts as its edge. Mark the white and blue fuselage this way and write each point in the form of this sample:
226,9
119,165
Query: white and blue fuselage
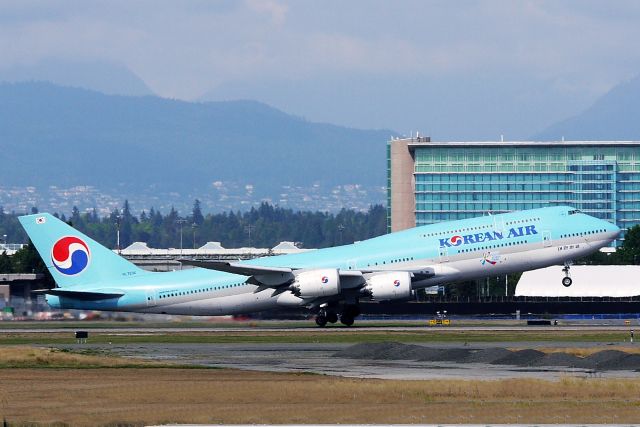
423,256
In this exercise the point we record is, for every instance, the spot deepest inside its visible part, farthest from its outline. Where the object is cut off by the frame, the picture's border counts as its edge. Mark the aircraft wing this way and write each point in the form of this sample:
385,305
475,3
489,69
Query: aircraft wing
81,295
422,273
276,276
235,267
268,276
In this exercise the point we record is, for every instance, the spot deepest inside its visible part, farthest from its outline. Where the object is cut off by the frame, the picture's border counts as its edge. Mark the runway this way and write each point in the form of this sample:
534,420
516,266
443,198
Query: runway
327,330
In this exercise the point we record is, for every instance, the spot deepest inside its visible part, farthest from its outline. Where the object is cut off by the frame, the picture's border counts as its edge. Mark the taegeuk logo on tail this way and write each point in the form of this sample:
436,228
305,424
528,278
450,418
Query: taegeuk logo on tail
70,255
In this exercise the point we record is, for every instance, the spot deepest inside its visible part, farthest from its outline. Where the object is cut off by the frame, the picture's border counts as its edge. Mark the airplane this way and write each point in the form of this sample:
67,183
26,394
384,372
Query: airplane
330,282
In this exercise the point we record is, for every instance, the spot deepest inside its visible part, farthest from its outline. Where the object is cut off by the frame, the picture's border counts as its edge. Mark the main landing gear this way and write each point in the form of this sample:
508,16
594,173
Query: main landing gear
566,280
347,316
325,316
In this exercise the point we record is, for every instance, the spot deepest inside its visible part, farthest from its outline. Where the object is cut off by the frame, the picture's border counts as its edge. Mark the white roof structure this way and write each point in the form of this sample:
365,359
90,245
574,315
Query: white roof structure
211,246
208,250
423,142
138,248
11,248
286,248
588,281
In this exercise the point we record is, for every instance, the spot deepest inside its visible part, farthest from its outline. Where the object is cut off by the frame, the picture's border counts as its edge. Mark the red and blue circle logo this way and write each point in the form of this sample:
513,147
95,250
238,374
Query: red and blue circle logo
456,240
325,279
396,283
70,255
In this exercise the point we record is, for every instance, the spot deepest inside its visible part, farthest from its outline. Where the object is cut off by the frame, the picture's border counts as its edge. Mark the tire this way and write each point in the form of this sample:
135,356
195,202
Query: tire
346,320
351,311
566,282
356,311
332,317
321,320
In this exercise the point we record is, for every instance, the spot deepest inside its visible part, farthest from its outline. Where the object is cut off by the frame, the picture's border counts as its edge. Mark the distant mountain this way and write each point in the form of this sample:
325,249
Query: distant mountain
52,135
615,115
105,77
449,107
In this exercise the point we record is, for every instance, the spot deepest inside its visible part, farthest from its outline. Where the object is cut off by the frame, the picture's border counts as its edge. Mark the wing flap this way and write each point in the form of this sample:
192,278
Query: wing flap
81,295
260,275
417,274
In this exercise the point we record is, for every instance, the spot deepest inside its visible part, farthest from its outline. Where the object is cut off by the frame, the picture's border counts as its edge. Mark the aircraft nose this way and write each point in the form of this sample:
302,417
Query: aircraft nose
617,230
612,230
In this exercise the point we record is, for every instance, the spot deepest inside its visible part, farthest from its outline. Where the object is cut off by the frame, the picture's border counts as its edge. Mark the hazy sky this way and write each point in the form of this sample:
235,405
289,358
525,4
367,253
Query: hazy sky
457,68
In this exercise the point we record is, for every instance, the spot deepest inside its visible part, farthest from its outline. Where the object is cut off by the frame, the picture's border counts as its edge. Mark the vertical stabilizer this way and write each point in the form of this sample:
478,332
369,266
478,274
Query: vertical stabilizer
73,258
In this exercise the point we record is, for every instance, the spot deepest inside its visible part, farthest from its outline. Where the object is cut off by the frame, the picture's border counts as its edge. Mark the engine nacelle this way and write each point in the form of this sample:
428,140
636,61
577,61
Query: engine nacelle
317,283
289,299
388,286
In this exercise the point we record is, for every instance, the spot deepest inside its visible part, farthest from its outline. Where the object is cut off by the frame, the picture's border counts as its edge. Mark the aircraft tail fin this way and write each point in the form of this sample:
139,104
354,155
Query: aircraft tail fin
72,257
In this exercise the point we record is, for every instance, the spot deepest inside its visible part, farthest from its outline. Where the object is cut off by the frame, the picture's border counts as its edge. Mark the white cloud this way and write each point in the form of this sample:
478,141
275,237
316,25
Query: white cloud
276,10
182,49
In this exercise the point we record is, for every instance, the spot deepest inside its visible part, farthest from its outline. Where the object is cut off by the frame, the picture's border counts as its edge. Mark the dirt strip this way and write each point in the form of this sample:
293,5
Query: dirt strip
155,396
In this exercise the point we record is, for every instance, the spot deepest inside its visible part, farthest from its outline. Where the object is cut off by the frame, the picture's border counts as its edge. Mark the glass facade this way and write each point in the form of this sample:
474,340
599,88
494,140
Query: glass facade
463,180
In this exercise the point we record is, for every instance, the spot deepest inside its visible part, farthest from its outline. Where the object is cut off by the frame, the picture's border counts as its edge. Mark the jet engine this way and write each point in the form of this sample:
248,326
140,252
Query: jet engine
388,286
317,283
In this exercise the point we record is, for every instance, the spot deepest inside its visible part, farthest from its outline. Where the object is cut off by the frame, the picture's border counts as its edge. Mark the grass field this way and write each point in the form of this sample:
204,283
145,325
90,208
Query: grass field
140,396
47,386
20,357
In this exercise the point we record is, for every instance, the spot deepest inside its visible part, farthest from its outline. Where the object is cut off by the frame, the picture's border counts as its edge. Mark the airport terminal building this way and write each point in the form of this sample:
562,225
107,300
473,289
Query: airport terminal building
431,182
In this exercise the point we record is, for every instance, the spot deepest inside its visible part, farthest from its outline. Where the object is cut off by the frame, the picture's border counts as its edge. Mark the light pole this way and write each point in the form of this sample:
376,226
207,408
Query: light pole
340,230
181,222
118,219
193,227
248,229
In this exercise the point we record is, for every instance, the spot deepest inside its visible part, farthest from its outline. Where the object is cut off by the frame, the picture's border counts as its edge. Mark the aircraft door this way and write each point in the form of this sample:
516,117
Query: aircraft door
546,238
443,253
150,297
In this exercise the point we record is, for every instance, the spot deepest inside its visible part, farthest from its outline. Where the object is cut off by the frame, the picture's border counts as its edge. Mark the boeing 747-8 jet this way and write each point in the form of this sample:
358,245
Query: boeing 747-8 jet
330,281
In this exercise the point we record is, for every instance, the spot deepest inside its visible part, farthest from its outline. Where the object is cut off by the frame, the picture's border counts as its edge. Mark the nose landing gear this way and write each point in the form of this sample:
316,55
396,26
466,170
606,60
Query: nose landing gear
566,280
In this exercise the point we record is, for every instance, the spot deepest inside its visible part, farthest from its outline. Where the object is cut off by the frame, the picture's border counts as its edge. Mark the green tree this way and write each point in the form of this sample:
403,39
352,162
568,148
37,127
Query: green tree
6,265
629,252
27,260
196,214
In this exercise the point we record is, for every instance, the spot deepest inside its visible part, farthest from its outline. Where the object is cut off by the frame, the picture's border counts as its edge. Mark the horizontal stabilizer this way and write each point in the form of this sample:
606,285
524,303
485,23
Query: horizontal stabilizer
81,295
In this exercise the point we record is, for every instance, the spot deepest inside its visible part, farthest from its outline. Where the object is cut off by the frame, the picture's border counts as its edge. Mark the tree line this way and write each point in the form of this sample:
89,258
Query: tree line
262,226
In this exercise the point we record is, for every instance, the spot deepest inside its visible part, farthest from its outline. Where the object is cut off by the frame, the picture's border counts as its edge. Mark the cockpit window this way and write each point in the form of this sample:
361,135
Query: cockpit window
574,211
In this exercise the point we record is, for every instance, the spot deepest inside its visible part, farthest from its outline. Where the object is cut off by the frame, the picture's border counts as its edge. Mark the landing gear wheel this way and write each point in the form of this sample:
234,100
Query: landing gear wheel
355,311
332,317
566,281
346,320
321,320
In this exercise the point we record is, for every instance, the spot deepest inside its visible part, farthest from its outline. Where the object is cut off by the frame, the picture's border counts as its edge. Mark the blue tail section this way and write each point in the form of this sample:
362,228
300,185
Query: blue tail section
72,257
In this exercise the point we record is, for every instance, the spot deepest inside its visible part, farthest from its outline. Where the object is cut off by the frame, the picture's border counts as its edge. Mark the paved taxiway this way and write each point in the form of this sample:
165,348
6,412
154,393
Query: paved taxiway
321,358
